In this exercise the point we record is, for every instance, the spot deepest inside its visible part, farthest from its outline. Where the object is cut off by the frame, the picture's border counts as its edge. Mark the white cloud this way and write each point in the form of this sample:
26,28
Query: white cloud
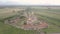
33,2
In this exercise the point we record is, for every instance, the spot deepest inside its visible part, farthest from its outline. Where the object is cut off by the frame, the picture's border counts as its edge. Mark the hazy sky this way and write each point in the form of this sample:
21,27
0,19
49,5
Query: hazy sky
30,2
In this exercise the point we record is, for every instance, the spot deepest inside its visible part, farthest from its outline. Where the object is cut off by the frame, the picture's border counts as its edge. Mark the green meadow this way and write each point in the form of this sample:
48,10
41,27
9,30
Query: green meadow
51,16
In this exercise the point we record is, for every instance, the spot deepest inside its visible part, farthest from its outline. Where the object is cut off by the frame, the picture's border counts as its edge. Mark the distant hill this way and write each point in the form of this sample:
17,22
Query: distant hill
11,6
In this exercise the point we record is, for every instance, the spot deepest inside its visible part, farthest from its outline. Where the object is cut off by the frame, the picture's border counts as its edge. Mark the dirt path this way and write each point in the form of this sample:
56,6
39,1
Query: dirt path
54,33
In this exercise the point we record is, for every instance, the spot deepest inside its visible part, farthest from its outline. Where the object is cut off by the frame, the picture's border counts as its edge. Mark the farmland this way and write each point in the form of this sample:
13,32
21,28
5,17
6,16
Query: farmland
7,29
51,16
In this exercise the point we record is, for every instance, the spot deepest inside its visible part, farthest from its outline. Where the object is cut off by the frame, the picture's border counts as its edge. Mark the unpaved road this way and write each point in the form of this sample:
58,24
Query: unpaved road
54,33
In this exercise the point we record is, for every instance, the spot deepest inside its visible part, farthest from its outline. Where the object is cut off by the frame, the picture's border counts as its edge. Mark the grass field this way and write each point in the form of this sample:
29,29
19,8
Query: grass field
53,19
8,29
52,16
